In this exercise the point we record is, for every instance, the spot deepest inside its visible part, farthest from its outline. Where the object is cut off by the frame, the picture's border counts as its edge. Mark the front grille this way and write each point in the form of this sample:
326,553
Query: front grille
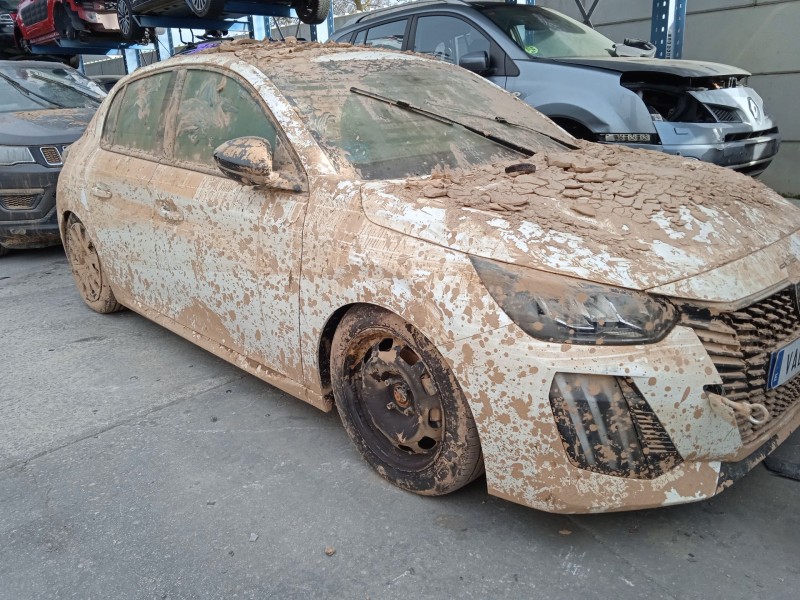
724,114
52,155
20,200
749,135
739,344
6,19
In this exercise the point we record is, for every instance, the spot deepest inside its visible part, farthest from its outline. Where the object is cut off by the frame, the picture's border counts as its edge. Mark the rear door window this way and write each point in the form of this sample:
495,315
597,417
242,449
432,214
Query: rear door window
388,35
138,122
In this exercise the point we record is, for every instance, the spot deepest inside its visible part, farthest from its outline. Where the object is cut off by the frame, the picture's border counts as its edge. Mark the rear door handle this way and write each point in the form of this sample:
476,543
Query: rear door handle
101,191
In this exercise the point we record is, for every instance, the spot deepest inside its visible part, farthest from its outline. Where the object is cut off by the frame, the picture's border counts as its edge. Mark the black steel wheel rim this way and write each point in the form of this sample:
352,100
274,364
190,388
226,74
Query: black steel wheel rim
396,402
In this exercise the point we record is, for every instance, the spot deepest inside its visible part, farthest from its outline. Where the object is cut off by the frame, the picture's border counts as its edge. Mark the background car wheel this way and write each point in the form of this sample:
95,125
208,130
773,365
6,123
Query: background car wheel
401,405
312,12
576,129
3,250
207,8
87,269
128,27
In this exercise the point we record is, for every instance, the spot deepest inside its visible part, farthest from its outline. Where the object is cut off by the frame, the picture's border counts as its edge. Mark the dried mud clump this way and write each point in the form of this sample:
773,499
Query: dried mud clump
615,196
256,51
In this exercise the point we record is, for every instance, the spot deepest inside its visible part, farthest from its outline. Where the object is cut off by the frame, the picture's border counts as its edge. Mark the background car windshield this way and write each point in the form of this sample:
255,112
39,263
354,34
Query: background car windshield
8,5
548,34
383,141
34,88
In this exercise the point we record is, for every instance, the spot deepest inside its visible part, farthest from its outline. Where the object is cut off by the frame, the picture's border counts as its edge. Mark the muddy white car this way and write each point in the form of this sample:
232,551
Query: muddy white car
602,328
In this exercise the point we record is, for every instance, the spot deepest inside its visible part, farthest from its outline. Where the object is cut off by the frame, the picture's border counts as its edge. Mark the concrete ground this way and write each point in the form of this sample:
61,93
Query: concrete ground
135,465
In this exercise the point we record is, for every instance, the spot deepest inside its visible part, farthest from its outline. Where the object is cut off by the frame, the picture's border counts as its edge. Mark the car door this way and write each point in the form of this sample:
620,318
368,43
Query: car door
231,252
118,175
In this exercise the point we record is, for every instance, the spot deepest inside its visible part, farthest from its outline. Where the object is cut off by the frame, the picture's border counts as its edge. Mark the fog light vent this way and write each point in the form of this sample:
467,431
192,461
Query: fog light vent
607,427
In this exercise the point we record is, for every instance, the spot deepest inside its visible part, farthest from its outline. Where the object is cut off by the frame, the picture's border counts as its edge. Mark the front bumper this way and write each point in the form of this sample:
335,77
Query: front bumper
525,455
28,207
736,147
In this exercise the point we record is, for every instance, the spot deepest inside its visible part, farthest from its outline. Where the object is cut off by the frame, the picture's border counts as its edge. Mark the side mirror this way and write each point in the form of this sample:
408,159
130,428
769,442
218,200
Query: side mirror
477,62
247,160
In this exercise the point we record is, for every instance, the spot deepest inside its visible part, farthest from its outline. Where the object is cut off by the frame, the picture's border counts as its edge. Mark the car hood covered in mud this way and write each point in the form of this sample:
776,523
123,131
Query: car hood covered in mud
47,126
609,214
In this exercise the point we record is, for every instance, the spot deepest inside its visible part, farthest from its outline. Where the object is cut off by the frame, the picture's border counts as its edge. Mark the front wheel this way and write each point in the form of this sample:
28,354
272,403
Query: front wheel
87,270
312,12
401,405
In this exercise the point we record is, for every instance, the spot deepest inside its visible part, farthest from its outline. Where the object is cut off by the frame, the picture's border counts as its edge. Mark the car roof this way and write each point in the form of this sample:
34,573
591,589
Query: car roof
420,4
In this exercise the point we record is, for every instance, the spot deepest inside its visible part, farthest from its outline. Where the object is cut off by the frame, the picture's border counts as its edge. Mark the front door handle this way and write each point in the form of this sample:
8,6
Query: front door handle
101,191
168,211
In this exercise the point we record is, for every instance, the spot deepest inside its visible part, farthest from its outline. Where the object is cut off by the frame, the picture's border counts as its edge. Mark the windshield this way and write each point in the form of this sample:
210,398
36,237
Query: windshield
36,88
7,6
384,141
548,34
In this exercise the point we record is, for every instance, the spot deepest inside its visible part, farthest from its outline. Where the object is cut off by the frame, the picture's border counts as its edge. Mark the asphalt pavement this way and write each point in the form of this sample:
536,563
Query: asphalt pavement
136,465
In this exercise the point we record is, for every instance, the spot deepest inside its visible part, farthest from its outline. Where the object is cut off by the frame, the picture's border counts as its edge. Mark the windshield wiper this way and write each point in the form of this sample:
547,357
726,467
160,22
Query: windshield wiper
505,121
64,84
402,104
19,87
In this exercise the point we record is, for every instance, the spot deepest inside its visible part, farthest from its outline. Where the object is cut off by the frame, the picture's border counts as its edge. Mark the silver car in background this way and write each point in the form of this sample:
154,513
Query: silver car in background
586,83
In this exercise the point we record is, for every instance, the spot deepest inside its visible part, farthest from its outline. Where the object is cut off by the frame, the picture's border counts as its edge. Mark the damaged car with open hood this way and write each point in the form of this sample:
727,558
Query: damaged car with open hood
597,327
597,90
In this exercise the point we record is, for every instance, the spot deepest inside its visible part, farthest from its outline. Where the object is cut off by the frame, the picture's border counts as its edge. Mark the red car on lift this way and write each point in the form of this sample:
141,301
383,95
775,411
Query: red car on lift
44,21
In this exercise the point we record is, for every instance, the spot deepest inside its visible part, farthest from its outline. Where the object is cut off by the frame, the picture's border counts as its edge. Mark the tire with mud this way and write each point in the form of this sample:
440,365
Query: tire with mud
401,405
87,269
312,12
128,27
207,9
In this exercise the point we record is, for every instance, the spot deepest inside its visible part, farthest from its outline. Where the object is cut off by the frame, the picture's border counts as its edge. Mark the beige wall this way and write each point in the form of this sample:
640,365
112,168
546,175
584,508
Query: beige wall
760,36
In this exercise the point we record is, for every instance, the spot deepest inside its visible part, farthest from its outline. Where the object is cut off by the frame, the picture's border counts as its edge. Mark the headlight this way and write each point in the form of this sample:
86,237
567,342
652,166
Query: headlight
12,155
555,308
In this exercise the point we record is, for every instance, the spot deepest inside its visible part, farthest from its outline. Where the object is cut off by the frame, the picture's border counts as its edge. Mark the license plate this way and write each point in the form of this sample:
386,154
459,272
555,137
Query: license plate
784,364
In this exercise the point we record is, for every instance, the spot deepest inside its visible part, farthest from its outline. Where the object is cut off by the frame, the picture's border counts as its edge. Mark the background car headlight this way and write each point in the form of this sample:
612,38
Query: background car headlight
12,155
562,309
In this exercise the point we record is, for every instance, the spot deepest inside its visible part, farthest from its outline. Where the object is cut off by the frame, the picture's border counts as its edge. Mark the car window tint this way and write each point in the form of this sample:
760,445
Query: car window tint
389,35
214,109
140,123
448,38
360,37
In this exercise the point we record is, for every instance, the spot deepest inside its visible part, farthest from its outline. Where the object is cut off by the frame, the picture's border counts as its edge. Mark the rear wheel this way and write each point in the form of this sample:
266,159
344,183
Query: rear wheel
128,27
207,8
401,405
87,270
312,12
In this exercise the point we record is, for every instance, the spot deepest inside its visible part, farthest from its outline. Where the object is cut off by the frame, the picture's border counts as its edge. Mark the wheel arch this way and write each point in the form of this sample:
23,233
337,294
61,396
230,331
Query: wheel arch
575,128
329,330
324,345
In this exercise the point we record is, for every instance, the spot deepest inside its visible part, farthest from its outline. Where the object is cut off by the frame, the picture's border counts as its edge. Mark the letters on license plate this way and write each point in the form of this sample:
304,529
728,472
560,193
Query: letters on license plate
784,364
